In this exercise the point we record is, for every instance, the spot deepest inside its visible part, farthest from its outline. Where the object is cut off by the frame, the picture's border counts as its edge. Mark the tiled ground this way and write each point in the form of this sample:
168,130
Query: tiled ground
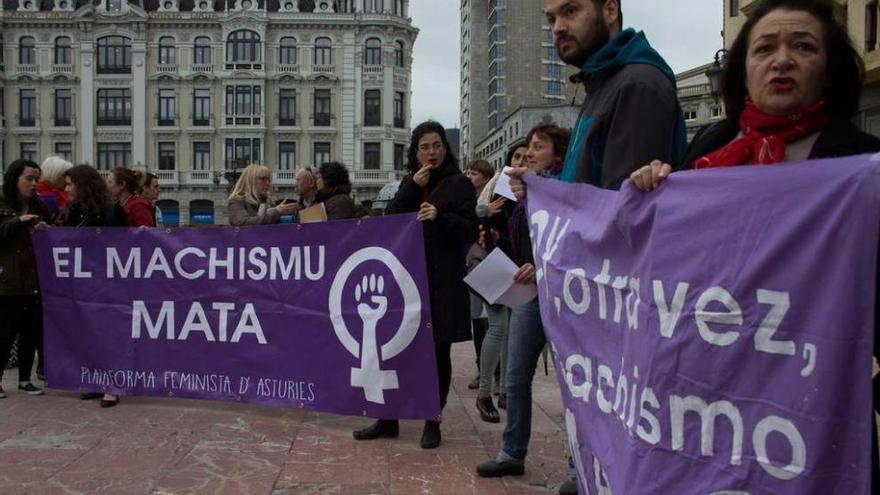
58,444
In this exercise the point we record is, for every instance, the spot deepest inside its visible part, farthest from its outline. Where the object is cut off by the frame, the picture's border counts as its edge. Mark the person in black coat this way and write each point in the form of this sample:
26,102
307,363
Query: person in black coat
445,202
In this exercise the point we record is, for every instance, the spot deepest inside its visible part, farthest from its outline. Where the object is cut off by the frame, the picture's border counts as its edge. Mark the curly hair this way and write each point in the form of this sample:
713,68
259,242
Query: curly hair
845,67
334,175
92,195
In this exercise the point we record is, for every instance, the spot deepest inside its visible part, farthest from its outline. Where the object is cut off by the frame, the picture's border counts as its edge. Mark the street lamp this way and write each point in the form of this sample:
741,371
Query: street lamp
715,73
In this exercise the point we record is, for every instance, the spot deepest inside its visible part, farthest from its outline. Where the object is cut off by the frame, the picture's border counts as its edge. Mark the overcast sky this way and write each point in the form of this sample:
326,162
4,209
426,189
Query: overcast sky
686,32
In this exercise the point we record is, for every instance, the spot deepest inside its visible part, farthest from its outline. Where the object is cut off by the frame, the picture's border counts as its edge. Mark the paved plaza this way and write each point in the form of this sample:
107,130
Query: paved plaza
58,444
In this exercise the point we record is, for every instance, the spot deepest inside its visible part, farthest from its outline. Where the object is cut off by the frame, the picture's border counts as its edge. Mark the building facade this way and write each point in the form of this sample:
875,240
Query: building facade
699,106
862,20
512,131
507,61
193,90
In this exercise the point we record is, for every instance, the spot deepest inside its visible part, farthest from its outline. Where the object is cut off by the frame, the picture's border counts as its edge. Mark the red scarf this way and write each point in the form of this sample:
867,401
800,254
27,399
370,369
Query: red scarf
765,136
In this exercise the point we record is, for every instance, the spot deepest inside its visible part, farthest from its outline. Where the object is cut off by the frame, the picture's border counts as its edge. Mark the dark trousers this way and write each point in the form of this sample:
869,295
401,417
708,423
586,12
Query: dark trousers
444,369
480,326
22,316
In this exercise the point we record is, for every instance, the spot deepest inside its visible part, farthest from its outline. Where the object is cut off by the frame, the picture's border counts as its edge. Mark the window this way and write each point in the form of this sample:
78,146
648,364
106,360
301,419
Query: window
286,156
554,88
241,152
734,8
243,48
554,71
287,51
398,7
202,51
111,155
244,105
372,156
716,111
166,51
322,108
690,115
114,107
398,110
27,115
27,51
373,6
871,26
63,107
1,68
166,107
323,53
28,151
321,153
114,55
399,157
202,107
64,150
372,107
166,156
373,52
62,50
398,54
201,155
114,5
287,107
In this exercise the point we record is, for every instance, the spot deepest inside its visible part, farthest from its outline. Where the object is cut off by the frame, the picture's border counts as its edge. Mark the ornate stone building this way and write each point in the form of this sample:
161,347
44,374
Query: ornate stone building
193,89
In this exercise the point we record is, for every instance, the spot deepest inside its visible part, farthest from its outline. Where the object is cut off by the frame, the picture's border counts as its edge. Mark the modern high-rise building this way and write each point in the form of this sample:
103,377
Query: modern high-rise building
194,89
508,61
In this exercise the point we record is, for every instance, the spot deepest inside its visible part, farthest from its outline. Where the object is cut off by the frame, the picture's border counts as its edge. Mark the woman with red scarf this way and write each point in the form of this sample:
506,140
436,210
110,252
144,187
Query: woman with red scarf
791,85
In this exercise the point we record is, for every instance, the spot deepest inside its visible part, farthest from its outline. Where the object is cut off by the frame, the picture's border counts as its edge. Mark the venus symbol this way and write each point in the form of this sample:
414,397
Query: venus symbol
369,376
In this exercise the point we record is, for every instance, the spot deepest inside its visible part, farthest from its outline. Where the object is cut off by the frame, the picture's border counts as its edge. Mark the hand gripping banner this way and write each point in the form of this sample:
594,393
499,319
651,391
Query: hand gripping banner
715,336
330,316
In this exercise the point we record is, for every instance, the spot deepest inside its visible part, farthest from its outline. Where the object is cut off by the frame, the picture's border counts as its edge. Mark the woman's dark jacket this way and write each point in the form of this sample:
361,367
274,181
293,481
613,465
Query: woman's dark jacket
337,202
18,268
447,239
112,216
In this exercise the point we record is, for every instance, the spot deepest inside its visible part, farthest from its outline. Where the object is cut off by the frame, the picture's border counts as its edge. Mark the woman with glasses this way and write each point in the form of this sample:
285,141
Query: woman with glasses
250,199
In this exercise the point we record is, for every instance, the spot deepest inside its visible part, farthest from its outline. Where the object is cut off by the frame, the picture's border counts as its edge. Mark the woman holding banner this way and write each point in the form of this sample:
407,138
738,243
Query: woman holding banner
20,307
791,87
250,199
444,201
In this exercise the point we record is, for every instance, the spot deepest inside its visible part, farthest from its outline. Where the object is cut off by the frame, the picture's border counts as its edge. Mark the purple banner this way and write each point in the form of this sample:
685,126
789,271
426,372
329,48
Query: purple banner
715,336
330,316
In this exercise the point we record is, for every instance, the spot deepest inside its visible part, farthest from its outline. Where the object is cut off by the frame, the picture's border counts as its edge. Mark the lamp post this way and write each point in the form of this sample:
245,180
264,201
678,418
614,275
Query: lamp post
715,73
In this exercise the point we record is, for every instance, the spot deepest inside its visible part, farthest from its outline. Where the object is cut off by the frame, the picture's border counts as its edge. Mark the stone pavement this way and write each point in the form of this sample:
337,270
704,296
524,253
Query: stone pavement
58,444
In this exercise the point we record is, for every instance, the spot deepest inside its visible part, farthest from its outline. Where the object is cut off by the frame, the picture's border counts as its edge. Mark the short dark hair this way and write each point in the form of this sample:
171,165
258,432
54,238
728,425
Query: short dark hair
517,145
10,180
557,135
601,3
417,134
483,168
845,67
334,174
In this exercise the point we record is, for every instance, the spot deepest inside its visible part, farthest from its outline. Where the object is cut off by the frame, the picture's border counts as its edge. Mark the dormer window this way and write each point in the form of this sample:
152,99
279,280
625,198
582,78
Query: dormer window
114,5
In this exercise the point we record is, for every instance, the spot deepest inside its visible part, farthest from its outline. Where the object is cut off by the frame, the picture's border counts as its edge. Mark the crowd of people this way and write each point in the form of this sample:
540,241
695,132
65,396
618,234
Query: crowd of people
792,85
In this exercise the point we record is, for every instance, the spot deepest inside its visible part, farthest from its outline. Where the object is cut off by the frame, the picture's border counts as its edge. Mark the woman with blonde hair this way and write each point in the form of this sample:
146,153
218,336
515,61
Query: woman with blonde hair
50,189
250,199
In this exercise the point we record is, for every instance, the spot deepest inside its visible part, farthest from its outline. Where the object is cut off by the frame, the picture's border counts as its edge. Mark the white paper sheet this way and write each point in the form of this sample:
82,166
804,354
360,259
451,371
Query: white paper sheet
493,279
502,187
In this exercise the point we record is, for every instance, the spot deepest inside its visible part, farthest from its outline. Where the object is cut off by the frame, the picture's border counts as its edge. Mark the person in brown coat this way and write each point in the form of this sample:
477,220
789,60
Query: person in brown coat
20,307
334,191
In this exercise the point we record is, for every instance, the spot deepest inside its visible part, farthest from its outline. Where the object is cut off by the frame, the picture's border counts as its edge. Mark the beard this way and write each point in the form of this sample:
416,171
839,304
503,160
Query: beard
597,38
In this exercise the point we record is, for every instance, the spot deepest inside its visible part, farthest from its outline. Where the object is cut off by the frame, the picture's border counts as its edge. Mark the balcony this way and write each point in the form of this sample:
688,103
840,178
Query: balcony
323,69
62,68
376,177
167,177
373,69
203,68
27,69
114,69
283,177
166,68
244,66
288,69
199,177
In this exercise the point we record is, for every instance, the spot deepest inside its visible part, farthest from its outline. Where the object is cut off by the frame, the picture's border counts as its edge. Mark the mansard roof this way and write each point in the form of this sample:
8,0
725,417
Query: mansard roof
153,5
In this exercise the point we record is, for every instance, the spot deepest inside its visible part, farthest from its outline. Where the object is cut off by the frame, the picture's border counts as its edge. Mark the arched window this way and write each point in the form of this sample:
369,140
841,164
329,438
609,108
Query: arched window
114,5
243,47
114,55
398,54
323,53
27,51
373,52
166,51
202,50
201,212
287,51
62,50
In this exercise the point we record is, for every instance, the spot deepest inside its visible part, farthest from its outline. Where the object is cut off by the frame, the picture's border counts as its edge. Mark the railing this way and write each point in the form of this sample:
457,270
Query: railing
373,69
401,72
199,177
27,69
203,67
62,68
288,69
167,176
698,90
282,177
376,176
166,68
323,69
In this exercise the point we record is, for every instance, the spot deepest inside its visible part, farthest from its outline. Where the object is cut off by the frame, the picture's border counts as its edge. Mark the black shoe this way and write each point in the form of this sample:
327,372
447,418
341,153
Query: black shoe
2,393
109,403
91,395
30,389
383,428
431,435
487,410
570,487
475,383
497,469
502,401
